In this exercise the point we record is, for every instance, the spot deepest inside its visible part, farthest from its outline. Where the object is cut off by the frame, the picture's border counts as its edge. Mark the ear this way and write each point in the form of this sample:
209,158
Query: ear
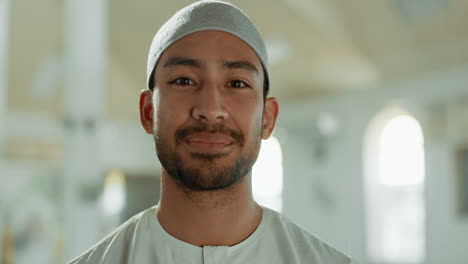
146,110
270,113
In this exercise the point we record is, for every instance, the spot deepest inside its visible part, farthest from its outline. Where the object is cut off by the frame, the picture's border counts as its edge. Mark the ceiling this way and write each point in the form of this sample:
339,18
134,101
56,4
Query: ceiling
318,47
325,46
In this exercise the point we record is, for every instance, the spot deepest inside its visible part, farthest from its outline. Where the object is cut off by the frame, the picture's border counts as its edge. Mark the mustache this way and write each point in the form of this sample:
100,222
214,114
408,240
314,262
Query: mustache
182,133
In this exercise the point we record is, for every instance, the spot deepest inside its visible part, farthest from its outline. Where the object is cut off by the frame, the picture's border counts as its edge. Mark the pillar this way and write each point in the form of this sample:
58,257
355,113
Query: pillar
85,57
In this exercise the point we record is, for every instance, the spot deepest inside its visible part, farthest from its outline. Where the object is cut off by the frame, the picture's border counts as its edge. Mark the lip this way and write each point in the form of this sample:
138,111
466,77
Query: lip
209,142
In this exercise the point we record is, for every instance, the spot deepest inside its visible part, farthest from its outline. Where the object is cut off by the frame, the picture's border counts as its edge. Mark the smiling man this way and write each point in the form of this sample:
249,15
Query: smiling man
207,108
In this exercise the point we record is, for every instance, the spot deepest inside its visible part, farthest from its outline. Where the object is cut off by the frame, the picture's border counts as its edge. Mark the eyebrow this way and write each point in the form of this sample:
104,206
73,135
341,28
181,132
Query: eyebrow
245,65
176,61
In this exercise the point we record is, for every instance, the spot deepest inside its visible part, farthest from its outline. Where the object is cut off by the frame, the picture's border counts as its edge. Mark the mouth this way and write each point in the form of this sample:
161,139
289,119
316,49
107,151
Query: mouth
205,142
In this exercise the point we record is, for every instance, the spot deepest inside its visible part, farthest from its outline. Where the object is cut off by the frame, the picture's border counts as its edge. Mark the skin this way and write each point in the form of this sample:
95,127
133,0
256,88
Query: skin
197,85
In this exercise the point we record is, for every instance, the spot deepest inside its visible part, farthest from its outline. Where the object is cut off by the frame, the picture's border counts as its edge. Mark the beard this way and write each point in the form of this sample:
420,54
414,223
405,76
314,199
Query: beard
211,176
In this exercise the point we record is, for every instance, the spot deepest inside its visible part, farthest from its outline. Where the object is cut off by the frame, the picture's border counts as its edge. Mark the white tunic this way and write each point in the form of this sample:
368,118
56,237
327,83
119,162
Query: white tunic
142,240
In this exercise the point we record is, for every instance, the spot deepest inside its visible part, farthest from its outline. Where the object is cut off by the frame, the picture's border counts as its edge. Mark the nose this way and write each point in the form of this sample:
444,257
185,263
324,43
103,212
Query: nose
209,105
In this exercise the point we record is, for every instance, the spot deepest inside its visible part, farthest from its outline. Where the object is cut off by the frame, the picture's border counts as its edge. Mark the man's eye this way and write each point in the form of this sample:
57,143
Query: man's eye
182,81
237,84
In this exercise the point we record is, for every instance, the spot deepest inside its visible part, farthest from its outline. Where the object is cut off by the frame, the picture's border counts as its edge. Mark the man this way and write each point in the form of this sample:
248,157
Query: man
207,108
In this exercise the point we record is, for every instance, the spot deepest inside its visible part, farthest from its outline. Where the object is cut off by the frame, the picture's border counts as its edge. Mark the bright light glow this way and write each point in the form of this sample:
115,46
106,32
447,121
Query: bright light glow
327,123
113,198
395,190
267,175
278,49
401,158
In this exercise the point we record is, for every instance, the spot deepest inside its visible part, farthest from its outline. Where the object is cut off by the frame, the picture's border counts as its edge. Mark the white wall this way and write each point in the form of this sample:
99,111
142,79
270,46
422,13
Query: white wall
327,197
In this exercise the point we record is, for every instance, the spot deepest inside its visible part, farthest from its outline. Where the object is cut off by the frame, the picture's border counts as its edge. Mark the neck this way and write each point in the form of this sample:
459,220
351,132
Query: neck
214,218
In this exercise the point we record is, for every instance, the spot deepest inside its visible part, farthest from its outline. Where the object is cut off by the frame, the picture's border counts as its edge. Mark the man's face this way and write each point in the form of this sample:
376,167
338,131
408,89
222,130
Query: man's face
208,113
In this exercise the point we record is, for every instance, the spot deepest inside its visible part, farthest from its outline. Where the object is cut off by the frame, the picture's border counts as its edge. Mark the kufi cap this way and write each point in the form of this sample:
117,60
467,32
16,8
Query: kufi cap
206,15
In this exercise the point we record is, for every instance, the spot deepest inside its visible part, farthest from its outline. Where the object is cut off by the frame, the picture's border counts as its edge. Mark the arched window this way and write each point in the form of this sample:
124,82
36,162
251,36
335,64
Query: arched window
394,157
267,175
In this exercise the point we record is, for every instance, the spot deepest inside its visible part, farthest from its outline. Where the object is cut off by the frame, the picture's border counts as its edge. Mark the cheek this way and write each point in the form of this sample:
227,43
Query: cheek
250,119
169,114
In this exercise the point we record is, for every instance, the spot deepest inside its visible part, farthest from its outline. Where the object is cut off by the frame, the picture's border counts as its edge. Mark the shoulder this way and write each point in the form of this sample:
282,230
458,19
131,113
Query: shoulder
114,248
304,245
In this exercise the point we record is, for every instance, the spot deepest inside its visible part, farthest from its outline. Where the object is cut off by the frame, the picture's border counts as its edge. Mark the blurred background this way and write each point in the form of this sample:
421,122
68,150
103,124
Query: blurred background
370,152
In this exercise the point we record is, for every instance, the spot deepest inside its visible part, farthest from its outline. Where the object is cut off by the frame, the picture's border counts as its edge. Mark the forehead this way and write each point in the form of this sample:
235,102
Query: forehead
212,45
